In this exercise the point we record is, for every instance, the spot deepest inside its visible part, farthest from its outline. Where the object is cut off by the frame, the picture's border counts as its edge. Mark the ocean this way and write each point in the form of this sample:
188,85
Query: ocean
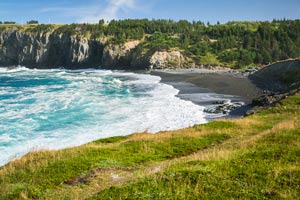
54,109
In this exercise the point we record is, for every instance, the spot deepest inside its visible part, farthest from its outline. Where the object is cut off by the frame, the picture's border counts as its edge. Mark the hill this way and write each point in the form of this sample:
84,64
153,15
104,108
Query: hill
144,44
280,76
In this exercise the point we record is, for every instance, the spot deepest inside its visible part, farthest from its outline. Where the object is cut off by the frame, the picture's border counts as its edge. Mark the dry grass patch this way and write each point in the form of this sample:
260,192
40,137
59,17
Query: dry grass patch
285,125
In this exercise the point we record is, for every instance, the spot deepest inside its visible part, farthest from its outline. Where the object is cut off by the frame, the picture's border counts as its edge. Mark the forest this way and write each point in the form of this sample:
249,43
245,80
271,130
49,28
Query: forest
233,44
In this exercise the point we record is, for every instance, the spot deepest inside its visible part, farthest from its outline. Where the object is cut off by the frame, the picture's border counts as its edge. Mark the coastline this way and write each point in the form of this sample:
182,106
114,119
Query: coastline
128,102
193,84
210,89
124,165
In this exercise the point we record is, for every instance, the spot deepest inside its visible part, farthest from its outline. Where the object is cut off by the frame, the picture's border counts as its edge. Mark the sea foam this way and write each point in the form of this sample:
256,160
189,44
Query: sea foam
54,109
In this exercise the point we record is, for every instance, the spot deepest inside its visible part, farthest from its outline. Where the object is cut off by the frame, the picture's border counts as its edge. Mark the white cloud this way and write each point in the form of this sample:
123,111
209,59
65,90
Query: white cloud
92,13
110,11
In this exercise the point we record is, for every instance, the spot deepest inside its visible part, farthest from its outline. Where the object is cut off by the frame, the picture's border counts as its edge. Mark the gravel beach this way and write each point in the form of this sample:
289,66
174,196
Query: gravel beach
195,84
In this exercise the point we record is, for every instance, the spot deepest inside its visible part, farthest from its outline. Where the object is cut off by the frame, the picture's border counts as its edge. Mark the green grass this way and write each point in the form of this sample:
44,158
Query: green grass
217,125
30,28
209,59
34,180
269,169
114,139
256,157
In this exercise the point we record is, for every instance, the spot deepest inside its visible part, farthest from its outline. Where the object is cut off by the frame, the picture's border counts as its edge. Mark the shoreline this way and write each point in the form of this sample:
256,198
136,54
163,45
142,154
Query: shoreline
190,88
193,84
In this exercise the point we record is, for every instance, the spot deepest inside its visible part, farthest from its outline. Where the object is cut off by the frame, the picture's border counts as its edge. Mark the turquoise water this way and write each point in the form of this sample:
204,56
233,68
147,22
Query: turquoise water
53,109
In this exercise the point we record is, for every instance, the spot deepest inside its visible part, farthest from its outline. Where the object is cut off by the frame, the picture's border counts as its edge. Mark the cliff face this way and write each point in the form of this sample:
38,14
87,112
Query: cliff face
119,55
48,50
170,59
52,50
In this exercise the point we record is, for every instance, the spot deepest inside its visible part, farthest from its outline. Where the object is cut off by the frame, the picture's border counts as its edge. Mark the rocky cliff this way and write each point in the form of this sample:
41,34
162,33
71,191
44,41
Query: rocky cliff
52,50
120,55
48,50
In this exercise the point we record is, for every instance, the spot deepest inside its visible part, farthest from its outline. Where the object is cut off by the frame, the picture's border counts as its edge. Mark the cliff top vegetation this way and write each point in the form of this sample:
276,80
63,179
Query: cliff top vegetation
234,44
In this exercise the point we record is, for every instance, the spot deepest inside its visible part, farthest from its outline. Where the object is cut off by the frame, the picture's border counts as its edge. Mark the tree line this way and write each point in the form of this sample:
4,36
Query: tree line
231,44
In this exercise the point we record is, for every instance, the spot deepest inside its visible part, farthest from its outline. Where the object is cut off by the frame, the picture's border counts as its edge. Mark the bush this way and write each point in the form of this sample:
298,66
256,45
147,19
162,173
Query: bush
32,22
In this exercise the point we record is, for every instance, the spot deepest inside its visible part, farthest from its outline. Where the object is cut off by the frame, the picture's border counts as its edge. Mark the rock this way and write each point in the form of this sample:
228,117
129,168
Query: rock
170,59
119,55
48,50
220,102
54,50
269,99
224,108
278,77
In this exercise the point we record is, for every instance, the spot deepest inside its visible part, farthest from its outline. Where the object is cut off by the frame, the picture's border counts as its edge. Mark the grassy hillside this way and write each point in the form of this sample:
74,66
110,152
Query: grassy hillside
29,27
285,72
257,157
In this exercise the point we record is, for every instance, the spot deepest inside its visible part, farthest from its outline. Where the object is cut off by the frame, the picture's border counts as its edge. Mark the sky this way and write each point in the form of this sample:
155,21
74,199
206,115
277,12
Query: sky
90,11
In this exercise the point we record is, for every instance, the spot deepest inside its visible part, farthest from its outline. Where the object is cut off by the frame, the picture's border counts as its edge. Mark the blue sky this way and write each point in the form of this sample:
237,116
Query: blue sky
74,11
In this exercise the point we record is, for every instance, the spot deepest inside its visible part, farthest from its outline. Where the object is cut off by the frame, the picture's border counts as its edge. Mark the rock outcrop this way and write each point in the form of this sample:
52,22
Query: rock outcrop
278,77
278,80
53,50
170,59
119,55
160,59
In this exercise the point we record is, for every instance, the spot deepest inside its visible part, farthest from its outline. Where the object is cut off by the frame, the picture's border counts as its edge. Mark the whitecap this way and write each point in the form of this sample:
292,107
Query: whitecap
88,106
